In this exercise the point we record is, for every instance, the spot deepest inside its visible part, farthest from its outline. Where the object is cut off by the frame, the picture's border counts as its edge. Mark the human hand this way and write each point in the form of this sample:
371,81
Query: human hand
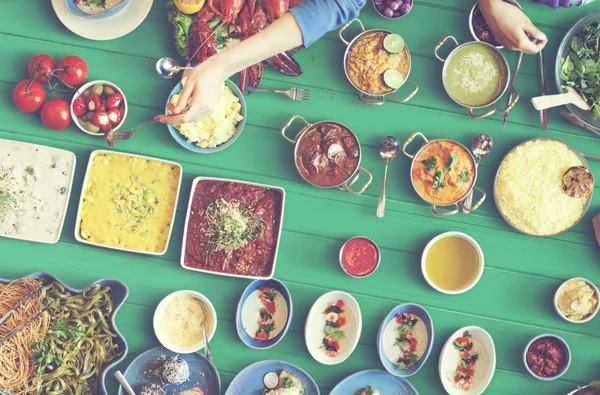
200,94
512,28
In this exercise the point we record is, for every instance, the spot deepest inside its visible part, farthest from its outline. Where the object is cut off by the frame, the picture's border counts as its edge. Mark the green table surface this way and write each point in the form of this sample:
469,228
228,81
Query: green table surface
513,300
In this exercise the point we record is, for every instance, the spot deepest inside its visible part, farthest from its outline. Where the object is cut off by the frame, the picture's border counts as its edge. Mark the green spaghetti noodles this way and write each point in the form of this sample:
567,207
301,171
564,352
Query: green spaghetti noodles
79,342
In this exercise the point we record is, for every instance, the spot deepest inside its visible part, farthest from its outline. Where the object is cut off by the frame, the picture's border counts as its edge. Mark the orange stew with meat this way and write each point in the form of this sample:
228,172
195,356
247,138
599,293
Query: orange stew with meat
443,172
327,155
233,228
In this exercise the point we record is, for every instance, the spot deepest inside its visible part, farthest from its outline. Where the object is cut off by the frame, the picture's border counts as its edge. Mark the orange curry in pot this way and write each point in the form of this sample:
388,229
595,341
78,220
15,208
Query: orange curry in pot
327,154
443,172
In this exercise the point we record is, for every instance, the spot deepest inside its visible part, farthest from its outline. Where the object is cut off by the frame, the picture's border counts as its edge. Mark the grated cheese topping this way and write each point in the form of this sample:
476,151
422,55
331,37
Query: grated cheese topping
181,321
529,189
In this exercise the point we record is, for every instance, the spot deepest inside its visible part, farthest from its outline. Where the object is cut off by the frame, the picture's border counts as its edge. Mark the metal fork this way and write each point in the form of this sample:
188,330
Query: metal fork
294,93
129,134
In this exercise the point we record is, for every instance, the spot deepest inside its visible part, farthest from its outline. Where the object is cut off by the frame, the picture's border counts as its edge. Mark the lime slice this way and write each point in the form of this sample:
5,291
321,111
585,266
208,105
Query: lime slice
393,78
393,43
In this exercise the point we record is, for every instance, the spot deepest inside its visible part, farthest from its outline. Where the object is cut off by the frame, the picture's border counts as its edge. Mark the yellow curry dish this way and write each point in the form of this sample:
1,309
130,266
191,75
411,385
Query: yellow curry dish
128,202
368,60
443,172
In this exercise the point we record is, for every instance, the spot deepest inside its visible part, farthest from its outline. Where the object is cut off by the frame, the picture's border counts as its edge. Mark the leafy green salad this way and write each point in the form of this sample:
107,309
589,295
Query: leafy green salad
581,68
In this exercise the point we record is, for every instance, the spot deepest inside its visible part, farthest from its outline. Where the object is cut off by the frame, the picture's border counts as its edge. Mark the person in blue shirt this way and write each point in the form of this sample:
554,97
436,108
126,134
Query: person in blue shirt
301,25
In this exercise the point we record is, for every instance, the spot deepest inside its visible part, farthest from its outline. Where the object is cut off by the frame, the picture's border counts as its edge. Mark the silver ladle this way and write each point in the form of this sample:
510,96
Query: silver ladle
168,67
388,150
481,147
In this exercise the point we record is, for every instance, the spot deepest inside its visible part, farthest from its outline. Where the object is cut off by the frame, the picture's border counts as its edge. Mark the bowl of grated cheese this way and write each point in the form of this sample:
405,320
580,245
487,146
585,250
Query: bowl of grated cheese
528,188
178,321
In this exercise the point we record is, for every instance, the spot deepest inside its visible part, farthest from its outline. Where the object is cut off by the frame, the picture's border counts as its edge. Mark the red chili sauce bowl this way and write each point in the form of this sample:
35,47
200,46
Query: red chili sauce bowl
547,357
360,257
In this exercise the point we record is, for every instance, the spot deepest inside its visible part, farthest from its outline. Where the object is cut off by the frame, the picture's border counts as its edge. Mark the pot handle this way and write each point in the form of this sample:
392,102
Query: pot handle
410,139
439,45
346,186
515,99
466,203
445,213
481,116
377,100
287,125
410,95
346,26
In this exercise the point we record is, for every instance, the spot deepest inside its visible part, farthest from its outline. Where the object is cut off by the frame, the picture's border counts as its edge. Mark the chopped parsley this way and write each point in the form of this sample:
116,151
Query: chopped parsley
464,177
451,162
439,177
430,163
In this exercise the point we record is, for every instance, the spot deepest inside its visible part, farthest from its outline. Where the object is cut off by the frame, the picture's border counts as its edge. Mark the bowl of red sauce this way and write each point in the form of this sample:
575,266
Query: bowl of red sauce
547,357
360,257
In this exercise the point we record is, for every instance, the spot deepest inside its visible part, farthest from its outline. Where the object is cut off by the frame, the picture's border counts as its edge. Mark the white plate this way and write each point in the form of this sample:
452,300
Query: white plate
68,193
85,180
187,218
315,322
484,368
109,28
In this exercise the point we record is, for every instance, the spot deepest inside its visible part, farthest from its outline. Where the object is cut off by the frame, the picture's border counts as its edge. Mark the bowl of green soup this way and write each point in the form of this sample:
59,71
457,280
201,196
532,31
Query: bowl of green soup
476,75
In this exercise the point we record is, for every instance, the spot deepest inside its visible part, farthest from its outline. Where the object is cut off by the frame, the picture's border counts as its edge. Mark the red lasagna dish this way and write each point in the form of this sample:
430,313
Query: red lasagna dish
233,228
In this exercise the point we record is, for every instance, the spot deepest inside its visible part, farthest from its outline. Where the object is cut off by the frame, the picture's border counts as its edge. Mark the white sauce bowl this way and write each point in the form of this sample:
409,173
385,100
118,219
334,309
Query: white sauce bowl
160,309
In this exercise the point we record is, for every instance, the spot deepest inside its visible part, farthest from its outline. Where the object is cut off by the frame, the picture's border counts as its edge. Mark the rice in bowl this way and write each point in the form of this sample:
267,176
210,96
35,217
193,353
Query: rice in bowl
528,189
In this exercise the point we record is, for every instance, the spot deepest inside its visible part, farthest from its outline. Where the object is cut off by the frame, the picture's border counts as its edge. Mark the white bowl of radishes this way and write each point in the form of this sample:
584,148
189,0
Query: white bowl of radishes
98,106
393,9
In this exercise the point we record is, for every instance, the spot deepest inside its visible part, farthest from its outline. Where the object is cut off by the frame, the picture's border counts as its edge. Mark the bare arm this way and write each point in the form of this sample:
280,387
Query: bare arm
512,27
200,94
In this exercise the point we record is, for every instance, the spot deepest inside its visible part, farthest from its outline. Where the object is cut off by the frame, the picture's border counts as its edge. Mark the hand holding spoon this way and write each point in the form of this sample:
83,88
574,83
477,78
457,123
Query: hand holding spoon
481,147
389,148
167,67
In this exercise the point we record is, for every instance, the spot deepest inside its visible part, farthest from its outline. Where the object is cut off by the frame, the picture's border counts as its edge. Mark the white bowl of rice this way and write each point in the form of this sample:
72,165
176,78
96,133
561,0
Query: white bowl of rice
528,188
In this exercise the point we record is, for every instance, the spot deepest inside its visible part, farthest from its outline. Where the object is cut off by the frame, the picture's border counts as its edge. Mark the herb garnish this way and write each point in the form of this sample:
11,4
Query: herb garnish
136,201
44,353
464,177
581,68
451,162
439,176
430,163
231,225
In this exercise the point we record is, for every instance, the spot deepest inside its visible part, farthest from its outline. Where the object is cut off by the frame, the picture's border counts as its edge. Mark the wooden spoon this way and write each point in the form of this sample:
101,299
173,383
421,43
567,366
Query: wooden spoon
571,96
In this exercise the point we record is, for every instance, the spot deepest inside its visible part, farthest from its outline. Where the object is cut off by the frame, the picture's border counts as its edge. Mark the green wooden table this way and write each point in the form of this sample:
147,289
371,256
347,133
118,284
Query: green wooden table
513,300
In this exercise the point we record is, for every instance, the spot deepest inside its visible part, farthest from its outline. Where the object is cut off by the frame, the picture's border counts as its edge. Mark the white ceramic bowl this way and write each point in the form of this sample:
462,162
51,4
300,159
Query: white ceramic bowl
160,310
479,254
90,84
566,347
378,257
560,313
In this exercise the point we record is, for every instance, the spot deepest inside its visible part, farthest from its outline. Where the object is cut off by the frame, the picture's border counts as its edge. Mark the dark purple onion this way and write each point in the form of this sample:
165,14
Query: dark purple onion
394,6
378,2
397,14
405,8
388,12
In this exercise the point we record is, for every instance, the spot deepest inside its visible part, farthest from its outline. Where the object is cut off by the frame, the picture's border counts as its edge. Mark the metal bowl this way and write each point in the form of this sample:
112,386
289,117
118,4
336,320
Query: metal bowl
589,197
119,293
347,184
513,2
367,97
505,71
563,50
457,203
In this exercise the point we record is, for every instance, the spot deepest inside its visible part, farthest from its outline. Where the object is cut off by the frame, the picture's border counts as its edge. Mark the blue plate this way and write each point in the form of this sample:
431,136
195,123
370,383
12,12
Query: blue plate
250,380
193,147
244,336
119,293
424,316
203,374
72,6
378,379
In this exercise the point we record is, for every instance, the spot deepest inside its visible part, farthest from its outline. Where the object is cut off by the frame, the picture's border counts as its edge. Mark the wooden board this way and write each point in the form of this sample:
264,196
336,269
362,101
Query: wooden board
513,301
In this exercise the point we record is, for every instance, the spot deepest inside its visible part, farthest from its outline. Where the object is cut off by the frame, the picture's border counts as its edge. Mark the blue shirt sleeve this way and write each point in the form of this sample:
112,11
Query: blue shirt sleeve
317,17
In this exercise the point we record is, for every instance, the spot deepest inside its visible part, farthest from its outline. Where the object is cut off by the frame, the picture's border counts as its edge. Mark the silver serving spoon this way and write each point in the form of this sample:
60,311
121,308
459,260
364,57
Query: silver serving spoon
121,379
481,147
388,149
167,67
207,353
